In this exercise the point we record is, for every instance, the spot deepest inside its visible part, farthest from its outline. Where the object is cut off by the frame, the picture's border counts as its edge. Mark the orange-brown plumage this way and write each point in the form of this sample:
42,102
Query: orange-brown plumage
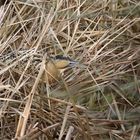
54,66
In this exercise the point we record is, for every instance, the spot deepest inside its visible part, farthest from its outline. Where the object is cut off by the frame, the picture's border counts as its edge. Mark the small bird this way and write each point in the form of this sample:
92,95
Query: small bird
54,67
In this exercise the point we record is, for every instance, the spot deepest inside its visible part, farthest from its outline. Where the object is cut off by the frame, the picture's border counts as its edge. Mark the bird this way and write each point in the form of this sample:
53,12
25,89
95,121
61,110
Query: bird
54,67
54,64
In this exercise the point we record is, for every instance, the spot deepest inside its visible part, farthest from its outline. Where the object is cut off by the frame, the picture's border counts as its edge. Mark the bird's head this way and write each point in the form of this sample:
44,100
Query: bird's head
62,62
55,66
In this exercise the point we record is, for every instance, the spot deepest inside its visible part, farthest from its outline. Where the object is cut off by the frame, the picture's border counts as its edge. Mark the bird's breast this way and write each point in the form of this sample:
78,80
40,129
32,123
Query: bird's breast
51,73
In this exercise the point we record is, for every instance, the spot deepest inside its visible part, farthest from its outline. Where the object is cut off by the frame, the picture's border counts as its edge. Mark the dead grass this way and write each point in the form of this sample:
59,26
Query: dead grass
99,99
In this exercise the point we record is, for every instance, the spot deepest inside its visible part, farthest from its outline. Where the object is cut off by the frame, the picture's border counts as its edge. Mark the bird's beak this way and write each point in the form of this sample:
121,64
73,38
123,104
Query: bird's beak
73,63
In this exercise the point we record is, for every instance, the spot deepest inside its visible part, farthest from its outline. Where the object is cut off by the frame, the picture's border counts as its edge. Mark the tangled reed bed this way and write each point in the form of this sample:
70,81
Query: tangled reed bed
97,101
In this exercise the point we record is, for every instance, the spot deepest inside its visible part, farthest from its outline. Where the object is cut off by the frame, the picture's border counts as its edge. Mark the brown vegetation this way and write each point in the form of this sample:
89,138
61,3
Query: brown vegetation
99,99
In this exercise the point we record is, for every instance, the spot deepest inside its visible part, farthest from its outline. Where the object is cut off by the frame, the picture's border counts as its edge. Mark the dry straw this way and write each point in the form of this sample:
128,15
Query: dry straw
99,99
